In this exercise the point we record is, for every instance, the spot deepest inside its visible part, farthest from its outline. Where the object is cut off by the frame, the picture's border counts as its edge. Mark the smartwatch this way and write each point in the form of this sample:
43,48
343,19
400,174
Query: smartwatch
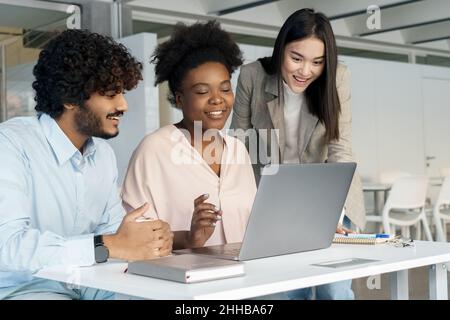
101,252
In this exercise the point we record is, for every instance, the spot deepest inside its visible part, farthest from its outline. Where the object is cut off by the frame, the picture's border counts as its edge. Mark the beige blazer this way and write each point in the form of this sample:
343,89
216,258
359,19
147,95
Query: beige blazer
256,106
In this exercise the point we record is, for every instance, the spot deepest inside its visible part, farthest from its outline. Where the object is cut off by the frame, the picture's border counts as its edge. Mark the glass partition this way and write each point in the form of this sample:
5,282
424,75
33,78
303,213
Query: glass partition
25,28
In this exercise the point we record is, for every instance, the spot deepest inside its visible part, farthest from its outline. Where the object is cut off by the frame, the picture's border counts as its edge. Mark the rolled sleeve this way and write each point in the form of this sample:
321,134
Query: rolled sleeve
80,250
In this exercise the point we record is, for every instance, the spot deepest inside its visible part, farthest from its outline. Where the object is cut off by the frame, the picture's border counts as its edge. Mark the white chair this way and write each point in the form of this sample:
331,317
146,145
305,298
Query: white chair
441,210
405,206
387,177
376,218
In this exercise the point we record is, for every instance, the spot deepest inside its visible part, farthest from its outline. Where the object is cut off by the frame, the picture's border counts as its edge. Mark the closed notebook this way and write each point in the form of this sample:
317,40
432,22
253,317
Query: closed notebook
359,239
187,268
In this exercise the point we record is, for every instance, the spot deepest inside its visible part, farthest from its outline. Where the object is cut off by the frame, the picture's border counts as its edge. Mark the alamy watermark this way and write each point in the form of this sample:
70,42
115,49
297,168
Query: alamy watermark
260,151
374,282
74,20
373,21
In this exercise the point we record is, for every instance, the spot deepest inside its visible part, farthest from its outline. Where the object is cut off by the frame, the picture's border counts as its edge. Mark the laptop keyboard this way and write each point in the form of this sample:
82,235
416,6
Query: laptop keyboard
229,249
232,251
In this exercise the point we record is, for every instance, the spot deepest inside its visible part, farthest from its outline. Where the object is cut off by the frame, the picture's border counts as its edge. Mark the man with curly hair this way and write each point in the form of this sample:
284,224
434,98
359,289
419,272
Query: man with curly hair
59,203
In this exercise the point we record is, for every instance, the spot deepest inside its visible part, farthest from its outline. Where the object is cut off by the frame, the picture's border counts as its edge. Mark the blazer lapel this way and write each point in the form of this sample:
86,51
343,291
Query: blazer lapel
275,111
307,125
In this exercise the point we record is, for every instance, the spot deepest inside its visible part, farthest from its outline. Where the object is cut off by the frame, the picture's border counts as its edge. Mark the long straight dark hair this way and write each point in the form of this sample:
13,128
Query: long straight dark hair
321,95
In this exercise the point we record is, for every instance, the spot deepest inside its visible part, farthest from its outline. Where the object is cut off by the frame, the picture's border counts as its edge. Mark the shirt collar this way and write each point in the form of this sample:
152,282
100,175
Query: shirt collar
60,143
89,148
223,134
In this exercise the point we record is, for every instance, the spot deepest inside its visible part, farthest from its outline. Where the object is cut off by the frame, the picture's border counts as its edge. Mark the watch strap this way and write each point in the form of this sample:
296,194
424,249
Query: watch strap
98,240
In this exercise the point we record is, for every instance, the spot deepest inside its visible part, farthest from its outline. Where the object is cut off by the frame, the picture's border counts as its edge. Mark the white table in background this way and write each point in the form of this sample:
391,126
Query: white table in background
275,274
377,189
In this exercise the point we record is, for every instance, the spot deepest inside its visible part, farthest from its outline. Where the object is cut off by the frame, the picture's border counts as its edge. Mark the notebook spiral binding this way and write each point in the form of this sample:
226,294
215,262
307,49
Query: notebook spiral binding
343,240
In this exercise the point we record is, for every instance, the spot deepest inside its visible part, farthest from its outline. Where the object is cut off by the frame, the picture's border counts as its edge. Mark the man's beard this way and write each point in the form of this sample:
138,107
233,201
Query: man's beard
90,124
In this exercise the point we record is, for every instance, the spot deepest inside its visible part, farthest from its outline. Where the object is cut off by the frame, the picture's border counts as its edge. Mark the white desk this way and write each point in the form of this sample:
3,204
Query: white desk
276,274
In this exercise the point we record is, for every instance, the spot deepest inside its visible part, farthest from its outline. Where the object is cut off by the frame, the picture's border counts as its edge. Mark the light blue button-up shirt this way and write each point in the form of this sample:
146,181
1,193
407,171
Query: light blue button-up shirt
53,199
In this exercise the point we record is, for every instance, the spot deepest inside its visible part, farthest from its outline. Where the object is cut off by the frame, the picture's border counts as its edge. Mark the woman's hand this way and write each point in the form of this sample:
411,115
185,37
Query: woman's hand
203,221
340,229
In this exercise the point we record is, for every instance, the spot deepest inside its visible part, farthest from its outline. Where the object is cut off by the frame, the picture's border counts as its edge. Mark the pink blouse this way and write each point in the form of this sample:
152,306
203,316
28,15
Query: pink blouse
168,173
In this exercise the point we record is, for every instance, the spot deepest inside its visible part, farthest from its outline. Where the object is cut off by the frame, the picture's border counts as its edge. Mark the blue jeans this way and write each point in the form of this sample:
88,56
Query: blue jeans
41,289
341,290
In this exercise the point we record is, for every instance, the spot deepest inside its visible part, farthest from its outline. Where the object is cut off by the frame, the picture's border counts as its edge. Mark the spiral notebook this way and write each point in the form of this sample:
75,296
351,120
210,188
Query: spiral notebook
360,239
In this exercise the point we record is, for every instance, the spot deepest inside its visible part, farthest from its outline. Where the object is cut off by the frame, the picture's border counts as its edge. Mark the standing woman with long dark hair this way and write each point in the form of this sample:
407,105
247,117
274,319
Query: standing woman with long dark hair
304,93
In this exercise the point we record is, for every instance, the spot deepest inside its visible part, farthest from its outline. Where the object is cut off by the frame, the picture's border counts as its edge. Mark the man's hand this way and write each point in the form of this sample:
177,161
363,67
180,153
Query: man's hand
136,240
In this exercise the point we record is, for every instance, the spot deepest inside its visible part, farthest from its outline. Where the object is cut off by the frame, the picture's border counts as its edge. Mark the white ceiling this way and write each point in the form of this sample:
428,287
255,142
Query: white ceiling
421,23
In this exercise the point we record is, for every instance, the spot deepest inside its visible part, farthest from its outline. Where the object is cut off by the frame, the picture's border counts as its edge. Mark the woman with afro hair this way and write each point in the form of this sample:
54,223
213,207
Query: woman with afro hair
193,176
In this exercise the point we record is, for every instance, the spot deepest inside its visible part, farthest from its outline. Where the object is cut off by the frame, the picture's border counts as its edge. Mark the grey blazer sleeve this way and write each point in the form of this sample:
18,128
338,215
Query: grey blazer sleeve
242,112
242,103
341,150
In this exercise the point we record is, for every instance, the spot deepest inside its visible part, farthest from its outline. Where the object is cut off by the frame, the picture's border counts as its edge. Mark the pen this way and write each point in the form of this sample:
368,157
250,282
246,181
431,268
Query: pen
368,235
383,235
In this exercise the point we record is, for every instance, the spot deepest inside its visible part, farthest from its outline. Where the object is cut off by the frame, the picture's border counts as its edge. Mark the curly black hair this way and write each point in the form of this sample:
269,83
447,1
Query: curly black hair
77,63
191,46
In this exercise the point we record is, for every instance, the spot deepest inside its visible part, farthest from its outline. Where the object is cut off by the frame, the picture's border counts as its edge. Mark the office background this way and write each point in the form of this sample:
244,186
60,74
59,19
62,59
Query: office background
398,53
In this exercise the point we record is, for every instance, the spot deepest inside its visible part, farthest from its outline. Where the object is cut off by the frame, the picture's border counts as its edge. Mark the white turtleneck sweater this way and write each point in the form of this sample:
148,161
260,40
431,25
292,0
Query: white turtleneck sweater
293,103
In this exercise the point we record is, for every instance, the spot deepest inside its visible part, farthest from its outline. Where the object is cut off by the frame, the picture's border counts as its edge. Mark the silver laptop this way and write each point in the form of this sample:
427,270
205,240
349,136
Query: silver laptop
295,210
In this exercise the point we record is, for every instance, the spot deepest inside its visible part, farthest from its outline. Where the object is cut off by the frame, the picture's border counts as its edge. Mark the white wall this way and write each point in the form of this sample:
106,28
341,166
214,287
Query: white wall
143,108
436,105
389,101
363,103
399,117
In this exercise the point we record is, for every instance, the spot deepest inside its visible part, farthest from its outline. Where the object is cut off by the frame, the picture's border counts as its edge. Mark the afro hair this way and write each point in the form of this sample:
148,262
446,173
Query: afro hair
191,46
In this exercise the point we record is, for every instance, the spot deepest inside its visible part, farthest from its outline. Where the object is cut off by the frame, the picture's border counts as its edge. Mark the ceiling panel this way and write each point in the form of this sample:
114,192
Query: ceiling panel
423,23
